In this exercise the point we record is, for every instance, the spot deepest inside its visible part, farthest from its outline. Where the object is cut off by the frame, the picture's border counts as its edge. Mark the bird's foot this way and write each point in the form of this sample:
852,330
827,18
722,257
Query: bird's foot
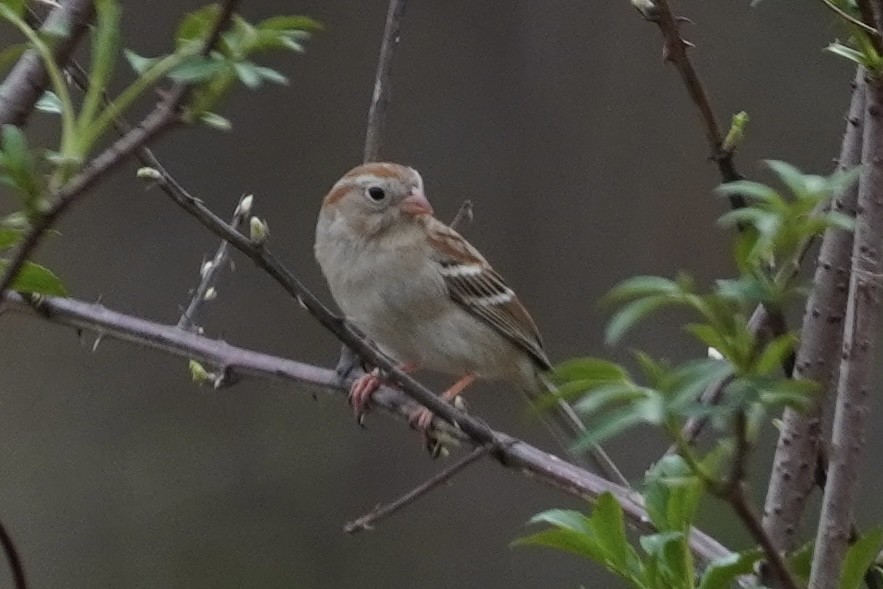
361,391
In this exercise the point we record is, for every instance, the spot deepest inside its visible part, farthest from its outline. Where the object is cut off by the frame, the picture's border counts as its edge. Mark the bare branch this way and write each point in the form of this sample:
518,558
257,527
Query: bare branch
463,217
858,355
210,272
27,81
794,467
509,451
367,521
380,98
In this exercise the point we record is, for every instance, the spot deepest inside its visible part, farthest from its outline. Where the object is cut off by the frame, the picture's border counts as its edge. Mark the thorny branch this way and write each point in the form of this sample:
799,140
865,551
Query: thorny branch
858,354
508,451
797,451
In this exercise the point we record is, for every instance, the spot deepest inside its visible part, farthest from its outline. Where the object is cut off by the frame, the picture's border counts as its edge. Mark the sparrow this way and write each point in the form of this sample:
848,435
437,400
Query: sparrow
426,296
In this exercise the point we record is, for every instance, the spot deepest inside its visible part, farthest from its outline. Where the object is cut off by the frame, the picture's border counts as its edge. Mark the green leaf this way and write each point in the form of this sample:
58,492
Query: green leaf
18,164
672,556
774,353
849,53
271,75
600,396
642,286
248,74
608,526
215,121
49,102
10,237
36,279
722,573
631,314
796,181
612,424
16,6
197,69
593,369
750,190
859,557
290,23
671,494
11,54
195,26
140,64
800,561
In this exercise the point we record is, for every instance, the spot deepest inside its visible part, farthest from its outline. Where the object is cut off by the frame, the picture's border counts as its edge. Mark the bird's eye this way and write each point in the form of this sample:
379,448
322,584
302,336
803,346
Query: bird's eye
376,193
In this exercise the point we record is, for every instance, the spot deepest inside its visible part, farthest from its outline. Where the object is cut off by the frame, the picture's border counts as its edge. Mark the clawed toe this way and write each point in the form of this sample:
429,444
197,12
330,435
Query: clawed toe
421,420
361,391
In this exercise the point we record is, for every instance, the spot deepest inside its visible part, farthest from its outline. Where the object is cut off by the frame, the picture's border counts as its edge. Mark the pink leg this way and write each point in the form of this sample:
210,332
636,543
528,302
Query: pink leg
364,387
421,418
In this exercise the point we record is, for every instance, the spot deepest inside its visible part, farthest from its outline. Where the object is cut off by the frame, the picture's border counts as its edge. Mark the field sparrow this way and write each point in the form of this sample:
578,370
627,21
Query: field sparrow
425,295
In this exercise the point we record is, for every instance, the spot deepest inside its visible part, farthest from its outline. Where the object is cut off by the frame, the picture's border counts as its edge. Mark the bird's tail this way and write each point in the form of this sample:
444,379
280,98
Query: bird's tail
567,428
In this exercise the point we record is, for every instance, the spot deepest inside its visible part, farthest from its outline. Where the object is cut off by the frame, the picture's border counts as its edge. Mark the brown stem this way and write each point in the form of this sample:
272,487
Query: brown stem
739,500
367,521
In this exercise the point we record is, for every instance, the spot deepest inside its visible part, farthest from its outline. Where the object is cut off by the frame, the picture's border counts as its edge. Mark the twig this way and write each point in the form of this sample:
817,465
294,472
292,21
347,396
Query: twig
463,216
380,97
18,571
348,363
849,18
739,500
210,272
27,81
799,444
871,19
858,355
675,51
509,451
367,521
163,117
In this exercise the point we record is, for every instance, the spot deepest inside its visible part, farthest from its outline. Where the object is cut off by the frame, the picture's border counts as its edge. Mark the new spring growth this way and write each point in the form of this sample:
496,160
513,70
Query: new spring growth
199,374
258,231
736,134
243,209
210,294
148,173
646,7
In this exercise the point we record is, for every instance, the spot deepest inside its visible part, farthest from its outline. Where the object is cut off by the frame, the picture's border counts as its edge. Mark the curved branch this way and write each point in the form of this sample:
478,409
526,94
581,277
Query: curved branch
509,451
28,79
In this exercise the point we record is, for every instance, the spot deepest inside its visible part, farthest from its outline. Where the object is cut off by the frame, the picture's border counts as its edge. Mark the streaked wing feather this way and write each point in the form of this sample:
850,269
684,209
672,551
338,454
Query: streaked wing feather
478,288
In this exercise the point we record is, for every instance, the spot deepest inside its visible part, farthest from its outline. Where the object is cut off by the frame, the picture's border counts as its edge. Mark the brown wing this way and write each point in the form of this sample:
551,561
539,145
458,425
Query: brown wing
477,287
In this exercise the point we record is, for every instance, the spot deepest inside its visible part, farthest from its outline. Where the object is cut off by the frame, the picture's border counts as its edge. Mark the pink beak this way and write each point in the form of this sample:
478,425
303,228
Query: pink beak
416,204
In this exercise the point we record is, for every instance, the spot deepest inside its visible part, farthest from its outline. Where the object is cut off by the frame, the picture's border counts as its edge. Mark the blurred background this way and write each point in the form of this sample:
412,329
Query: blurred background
586,163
